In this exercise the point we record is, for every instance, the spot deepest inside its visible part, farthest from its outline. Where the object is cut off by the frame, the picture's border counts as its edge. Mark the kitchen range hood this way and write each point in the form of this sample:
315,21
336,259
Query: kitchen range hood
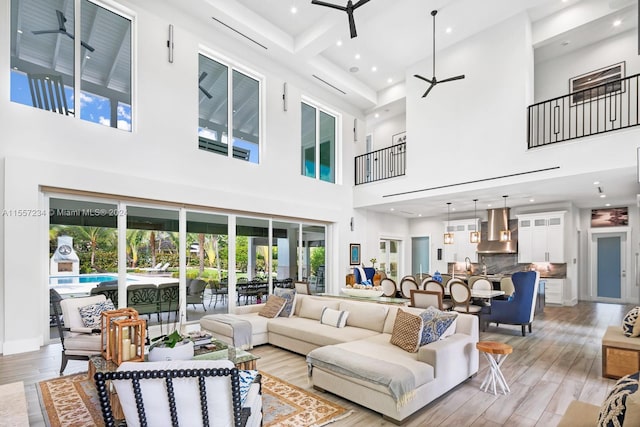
498,219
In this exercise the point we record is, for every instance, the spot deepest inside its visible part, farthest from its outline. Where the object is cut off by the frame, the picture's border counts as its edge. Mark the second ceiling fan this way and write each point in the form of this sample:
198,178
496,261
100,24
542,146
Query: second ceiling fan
433,81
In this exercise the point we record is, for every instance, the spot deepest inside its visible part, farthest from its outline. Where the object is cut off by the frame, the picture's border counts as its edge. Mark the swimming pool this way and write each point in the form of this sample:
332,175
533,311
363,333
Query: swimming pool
82,278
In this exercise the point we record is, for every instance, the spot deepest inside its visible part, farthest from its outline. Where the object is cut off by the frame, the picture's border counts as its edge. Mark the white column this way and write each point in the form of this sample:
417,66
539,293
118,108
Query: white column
122,254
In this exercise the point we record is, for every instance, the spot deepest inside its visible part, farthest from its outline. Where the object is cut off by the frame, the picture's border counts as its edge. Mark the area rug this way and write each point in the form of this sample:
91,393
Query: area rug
72,401
13,405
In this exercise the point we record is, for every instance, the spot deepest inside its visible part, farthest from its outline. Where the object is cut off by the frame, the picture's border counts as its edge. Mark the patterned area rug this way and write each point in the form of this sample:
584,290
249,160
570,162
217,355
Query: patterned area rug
72,401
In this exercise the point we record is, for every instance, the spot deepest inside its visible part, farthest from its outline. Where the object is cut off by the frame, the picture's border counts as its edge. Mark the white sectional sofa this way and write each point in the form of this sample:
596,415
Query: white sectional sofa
436,368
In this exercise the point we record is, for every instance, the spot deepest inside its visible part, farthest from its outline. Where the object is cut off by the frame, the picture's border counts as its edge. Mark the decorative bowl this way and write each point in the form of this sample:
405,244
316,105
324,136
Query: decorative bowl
365,293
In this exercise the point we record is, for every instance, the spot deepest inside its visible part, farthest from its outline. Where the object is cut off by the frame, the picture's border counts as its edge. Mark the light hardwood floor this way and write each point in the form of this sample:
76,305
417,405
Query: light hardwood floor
560,361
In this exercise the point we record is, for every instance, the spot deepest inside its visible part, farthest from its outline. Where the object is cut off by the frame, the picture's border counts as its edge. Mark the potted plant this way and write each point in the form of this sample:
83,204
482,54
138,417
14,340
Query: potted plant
171,347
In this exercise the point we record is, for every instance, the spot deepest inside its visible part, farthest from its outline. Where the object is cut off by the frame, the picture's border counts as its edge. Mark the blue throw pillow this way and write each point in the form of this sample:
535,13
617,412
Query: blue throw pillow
435,324
289,295
246,379
622,405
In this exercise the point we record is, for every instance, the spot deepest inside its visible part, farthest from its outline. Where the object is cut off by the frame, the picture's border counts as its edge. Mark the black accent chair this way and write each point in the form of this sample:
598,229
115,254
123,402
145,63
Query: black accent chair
186,393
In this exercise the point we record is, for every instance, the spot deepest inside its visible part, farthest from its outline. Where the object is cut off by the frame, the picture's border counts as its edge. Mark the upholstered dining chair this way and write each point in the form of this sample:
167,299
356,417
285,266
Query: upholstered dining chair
435,286
406,284
482,284
389,287
186,393
302,288
472,279
424,299
521,308
506,285
445,278
461,296
78,342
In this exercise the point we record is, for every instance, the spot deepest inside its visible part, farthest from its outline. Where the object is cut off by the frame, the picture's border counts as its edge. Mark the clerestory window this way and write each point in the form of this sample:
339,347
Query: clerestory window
318,139
228,99
46,57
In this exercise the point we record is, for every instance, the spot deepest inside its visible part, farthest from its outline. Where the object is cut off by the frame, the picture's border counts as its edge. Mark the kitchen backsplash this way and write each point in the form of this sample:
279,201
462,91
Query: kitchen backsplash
508,264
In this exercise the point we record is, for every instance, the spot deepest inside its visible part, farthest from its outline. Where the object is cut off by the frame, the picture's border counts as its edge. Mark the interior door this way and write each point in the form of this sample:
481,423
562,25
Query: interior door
609,276
420,255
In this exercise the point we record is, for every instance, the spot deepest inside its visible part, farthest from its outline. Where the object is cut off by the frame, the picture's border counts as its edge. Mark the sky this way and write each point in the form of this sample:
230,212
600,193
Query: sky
94,108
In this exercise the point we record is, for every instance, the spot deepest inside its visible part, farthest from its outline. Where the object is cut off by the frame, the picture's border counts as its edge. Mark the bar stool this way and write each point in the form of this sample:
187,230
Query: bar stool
496,353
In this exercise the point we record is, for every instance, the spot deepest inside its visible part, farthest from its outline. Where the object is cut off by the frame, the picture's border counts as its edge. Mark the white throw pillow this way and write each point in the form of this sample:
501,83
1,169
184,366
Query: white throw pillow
335,318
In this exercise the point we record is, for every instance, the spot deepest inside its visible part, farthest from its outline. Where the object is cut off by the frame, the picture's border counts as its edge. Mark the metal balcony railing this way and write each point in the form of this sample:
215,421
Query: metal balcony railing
381,164
604,108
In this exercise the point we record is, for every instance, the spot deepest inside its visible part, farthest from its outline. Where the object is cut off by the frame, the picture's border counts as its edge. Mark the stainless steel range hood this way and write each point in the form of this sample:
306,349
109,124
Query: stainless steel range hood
498,219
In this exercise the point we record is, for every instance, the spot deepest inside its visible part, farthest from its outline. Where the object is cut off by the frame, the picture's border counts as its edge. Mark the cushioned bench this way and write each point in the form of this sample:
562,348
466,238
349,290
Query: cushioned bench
620,354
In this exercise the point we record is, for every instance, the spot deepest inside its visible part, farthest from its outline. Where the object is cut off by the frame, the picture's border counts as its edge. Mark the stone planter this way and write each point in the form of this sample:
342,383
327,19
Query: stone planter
182,351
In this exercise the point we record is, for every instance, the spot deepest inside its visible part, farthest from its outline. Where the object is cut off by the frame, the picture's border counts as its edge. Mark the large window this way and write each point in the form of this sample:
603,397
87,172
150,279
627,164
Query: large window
43,60
228,101
318,138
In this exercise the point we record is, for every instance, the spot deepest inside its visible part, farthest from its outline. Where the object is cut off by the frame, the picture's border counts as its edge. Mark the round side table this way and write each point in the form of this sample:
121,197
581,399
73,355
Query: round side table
495,353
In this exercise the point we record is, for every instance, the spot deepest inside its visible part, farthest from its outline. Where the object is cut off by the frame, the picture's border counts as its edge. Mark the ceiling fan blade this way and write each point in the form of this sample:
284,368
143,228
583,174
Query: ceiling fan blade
360,3
87,46
61,20
38,32
207,94
352,25
450,79
203,75
334,6
429,90
423,78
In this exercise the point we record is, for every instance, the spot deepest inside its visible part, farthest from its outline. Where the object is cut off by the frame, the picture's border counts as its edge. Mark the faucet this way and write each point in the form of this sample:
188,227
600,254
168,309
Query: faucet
467,265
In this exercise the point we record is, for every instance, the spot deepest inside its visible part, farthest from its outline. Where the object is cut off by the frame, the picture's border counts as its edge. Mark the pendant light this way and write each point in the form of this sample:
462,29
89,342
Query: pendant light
448,237
474,236
505,235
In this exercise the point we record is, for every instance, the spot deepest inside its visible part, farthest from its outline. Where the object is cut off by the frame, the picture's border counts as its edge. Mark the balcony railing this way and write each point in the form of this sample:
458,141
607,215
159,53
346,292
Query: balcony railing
381,164
604,108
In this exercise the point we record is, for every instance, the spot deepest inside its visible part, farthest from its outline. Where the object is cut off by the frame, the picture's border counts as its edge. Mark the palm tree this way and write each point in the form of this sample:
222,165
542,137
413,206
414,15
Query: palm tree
134,240
92,234
201,252
212,249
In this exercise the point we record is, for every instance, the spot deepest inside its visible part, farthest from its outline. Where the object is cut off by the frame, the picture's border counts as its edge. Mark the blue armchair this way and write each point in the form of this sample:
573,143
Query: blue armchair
368,271
519,310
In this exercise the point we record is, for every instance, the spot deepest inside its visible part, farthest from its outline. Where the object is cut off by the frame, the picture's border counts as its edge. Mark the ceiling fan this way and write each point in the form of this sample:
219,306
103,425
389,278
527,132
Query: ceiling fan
62,29
433,81
349,8
203,75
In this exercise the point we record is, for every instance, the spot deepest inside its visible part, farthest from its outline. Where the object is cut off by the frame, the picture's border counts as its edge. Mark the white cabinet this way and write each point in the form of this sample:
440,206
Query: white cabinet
541,237
462,246
553,291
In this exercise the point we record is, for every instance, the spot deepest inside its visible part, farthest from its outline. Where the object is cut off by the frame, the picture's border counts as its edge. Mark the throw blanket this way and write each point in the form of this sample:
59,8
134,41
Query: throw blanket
398,379
241,330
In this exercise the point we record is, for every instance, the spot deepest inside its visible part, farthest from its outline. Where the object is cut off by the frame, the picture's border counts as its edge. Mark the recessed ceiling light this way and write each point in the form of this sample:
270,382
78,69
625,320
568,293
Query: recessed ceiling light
419,214
617,23
607,204
448,30
389,80
19,31
357,56
339,43
602,196
376,115
374,68
453,209
88,57
532,200
294,10
596,182
392,209
489,205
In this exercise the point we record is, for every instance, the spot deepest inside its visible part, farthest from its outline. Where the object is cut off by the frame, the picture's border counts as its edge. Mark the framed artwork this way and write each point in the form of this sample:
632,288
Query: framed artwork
597,84
399,138
354,254
610,217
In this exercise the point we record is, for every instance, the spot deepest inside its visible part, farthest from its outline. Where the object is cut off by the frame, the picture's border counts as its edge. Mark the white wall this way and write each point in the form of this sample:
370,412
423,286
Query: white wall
552,77
159,160
383,130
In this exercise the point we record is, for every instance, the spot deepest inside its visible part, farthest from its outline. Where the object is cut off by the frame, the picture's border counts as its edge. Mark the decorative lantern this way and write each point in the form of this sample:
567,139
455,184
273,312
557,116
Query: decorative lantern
130,336
109,337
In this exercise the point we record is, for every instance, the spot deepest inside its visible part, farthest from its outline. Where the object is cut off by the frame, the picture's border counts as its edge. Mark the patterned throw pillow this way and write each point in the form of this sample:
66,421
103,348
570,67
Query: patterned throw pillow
630,324
290,296
273,307
622,405
246,379
91,314
335,318
436,323
407,331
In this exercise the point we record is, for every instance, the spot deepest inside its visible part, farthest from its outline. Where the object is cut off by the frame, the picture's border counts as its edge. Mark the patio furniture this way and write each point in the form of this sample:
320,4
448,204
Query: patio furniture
78,342
144,299
169,299
195,292
109,291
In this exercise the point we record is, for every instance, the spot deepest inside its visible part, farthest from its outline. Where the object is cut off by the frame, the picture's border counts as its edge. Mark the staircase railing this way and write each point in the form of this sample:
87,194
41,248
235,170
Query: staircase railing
604,108
380,164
